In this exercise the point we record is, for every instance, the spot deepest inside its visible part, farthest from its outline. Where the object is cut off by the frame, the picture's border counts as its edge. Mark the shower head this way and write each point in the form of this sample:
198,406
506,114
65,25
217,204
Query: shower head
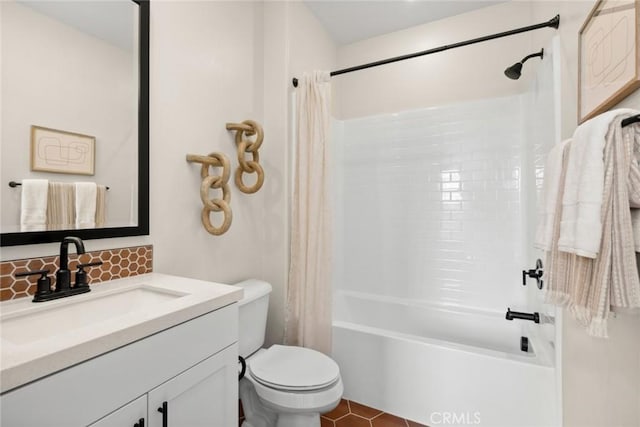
515,71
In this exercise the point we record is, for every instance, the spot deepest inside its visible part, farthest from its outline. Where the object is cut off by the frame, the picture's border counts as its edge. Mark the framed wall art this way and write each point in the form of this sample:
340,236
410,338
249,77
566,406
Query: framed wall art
609,56
60,151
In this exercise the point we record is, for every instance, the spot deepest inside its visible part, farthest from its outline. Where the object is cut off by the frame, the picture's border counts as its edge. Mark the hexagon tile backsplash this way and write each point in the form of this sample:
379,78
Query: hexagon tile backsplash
116,263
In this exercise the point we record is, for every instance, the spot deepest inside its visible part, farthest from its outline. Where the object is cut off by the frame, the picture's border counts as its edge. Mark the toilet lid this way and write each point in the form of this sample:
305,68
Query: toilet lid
293,368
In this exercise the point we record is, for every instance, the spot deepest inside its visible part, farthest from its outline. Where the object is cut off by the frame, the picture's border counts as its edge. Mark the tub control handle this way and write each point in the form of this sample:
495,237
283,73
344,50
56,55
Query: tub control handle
534,274
534,317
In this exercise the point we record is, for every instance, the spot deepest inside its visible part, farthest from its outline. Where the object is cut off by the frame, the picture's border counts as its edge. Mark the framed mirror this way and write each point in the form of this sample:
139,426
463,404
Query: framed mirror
75,71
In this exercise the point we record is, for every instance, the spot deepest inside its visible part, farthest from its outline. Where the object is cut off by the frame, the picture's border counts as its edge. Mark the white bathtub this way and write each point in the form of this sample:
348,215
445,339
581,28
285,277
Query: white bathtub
440,366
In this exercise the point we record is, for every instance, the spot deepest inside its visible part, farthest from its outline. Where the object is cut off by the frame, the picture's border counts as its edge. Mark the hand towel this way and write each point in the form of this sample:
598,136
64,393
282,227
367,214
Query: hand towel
615,281
635,223
591,287
634,186
61,211
581,226
101,205
33,209
548,196
86,197
557,272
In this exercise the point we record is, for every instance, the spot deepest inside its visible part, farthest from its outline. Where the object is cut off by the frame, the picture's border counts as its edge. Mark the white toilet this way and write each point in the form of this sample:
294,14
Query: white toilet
283,386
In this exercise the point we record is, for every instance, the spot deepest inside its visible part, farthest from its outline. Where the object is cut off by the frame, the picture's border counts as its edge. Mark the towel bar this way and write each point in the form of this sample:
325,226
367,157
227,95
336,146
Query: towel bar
14,184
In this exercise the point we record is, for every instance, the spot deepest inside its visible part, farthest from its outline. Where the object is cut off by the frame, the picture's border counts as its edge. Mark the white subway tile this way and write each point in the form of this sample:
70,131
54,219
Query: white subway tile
435,201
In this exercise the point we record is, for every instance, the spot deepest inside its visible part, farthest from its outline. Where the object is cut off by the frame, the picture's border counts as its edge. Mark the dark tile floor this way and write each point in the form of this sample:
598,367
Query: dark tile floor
352,414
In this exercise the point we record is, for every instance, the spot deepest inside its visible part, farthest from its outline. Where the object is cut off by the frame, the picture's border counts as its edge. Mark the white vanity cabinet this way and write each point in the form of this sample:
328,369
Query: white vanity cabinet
191,366
199,396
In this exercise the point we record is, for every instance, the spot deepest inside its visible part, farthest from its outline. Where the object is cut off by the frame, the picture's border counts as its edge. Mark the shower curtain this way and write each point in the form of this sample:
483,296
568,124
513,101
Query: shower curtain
308,318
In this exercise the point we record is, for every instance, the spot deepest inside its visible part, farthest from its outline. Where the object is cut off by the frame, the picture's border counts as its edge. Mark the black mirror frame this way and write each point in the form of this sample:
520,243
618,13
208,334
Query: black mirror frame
142,229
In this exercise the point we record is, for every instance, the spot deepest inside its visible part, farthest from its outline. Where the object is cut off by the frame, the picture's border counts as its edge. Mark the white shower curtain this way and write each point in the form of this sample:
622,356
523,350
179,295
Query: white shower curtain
308,320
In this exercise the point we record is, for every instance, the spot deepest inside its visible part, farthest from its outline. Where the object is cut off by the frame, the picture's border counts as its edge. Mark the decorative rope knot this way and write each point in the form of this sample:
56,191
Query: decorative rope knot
214,160
245,129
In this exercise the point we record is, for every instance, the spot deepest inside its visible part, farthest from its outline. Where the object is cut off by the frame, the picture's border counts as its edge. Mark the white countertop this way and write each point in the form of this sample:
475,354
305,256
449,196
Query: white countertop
23,362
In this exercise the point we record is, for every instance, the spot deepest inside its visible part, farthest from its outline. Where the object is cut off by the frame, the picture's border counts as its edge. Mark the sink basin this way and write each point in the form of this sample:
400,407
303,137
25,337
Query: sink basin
44,320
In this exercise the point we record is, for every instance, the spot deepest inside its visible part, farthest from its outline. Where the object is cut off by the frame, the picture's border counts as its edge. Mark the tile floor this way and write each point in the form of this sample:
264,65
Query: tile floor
352,414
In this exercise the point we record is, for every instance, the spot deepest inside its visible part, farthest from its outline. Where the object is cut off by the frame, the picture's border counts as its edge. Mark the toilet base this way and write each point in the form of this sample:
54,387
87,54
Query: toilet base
299,420
307,421
256,414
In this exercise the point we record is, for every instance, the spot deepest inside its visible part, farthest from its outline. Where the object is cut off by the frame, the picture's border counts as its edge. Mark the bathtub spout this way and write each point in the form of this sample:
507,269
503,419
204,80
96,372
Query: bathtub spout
534,317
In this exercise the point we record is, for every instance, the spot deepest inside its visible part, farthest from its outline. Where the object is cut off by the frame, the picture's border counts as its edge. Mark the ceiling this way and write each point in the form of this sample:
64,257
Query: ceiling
111,21
352,20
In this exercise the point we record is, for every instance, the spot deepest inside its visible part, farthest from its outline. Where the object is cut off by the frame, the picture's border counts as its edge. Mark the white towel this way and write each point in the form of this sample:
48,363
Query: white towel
86,194
581,224
548,197
33,210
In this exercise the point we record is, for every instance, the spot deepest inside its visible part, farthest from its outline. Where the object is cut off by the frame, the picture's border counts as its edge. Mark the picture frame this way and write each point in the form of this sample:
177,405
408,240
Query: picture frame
608,56
59,151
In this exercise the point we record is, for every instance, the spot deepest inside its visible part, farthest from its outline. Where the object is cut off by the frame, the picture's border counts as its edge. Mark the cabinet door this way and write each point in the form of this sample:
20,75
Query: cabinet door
204,395
130,415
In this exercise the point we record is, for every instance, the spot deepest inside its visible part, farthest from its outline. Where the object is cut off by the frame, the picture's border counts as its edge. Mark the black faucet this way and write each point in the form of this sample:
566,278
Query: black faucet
63,276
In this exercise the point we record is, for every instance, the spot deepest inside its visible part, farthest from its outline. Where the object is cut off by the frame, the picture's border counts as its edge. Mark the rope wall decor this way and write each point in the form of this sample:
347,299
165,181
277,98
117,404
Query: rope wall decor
218,160
245,129
214,160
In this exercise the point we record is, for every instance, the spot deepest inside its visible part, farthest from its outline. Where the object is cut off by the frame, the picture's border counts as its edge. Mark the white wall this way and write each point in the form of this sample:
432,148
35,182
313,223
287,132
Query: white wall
42,72
471,72
601,378
207,70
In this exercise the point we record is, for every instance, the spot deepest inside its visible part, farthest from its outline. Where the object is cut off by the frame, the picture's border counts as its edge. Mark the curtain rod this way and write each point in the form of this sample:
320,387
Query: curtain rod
553,23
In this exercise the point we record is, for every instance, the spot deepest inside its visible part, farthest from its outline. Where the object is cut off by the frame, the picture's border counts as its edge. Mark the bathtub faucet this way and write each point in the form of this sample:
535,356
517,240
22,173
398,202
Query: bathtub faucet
534,317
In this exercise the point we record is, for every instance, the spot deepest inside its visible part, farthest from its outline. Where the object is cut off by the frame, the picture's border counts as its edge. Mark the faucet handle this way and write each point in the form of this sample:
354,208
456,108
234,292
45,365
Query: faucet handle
44,283
90,264
81,275
536,273
31,273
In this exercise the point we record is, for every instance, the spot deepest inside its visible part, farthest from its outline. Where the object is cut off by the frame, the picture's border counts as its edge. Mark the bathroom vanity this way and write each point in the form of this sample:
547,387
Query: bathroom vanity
150,350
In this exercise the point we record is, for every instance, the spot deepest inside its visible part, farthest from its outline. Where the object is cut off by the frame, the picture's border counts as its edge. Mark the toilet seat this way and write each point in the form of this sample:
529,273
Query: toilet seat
295,380
288,368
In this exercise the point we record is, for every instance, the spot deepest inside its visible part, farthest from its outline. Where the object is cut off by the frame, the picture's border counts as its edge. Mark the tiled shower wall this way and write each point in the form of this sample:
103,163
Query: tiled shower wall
116,263
430,204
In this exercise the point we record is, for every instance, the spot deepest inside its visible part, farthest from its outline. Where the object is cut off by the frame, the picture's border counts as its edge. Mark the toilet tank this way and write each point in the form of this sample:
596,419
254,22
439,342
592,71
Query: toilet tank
253,308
